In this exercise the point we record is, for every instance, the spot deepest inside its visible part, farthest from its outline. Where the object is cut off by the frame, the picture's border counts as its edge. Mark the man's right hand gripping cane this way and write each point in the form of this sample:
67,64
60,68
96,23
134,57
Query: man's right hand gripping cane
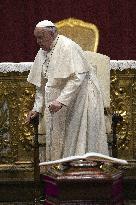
31,115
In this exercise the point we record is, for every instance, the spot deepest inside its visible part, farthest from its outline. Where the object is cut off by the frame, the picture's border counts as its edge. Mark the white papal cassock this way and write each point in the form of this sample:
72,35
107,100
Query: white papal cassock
64,74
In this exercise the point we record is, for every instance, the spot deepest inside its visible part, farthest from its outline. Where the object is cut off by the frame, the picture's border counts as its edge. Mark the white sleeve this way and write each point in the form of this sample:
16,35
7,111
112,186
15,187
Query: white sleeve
39,99
70,88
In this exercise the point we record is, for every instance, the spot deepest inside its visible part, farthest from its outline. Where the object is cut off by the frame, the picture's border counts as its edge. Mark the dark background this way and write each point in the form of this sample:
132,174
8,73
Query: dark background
115,20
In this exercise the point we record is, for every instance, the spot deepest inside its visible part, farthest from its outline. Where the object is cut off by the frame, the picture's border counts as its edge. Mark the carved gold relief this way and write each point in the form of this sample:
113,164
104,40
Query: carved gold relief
16,98
123,100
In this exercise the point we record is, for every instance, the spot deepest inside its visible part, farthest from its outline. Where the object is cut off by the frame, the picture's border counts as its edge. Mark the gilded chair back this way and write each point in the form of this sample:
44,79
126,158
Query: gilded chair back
85,34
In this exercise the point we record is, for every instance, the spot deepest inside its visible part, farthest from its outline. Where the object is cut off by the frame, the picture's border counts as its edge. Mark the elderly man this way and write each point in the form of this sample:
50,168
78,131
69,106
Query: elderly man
68,94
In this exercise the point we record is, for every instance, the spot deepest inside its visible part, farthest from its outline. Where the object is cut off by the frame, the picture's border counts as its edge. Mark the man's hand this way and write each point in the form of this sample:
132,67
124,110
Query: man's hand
55,106
31,115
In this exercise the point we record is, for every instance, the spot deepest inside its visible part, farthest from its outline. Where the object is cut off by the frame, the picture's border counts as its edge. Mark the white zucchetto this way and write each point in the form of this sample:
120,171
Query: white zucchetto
45,23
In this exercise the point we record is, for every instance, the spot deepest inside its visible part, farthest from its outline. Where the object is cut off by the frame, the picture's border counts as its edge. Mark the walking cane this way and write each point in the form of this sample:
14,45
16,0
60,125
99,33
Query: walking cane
35,122
116,118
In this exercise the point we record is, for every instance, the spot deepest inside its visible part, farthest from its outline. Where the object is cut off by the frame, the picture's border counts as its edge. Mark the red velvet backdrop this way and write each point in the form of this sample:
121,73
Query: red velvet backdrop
114,18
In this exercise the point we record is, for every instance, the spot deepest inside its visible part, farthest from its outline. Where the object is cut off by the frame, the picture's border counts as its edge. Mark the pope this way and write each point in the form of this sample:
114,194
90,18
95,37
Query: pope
68,96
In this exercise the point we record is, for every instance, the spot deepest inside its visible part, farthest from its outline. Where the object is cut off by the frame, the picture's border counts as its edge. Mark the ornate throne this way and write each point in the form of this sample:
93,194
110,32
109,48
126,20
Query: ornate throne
79,31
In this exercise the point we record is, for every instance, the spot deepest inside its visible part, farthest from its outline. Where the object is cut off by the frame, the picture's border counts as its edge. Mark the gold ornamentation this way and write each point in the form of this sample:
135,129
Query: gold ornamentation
83,33
16,99
16,138
123,100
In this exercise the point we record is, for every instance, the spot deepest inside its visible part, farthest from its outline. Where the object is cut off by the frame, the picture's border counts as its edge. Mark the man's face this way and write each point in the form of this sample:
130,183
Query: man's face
44,38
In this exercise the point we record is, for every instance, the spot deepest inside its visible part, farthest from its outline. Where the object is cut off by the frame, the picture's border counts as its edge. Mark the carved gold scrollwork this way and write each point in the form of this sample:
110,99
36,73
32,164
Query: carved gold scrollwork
16,97
123,99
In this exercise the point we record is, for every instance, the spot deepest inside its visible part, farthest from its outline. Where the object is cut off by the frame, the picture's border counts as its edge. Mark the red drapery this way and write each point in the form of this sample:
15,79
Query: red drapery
114,18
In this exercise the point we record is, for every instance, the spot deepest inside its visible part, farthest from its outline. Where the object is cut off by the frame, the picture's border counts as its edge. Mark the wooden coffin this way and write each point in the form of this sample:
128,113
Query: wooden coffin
83,185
